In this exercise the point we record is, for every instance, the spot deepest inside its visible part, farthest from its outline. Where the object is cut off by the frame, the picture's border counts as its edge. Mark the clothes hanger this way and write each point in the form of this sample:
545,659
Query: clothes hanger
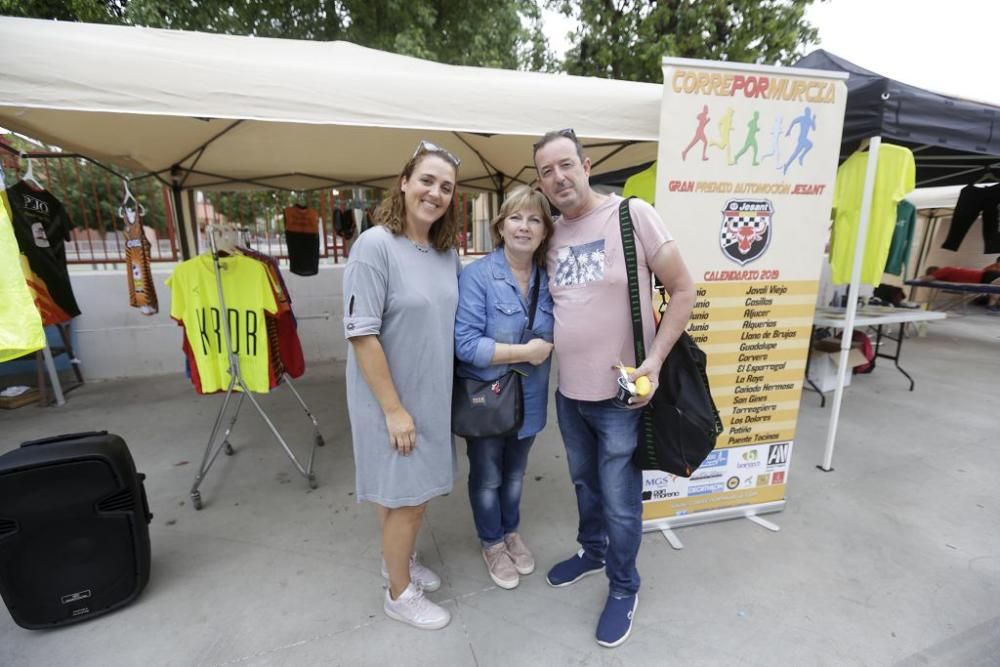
29,175
225,236
988,177
244,238
124,211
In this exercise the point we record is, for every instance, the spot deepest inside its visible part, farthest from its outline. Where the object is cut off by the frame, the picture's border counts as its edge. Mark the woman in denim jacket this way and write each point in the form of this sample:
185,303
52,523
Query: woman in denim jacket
494,294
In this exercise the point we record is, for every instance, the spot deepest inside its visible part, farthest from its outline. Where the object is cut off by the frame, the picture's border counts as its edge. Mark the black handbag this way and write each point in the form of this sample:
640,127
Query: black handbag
490,408
680,425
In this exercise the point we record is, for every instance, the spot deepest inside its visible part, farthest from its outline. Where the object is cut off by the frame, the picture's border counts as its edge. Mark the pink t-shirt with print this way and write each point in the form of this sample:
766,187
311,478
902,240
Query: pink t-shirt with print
593,328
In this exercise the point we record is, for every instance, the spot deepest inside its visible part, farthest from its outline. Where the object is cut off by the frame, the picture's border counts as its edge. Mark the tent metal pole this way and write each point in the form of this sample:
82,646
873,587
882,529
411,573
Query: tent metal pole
486,163
610,155
852,300
964,172
201,150
928,237
179,221
184,214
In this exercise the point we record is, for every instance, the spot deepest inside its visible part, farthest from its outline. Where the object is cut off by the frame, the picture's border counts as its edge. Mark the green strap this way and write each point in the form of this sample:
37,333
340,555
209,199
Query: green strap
635,307
632,271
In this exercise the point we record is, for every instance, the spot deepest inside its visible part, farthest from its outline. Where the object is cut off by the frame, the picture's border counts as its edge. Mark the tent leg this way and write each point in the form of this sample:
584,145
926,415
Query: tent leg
50,365
925,250
852,300
180,221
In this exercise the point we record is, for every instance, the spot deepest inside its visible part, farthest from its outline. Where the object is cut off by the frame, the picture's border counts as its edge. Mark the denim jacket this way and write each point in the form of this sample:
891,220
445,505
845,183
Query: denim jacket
491,310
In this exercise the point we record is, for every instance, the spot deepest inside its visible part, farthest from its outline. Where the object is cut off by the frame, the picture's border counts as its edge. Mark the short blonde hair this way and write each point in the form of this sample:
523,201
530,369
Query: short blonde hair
519,199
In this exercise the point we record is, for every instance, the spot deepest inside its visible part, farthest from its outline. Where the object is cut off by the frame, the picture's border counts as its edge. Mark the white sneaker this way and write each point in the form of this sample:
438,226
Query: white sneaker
419,574
414,609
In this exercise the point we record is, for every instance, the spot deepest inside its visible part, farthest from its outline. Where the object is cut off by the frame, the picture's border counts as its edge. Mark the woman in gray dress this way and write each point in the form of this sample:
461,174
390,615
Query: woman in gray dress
400,297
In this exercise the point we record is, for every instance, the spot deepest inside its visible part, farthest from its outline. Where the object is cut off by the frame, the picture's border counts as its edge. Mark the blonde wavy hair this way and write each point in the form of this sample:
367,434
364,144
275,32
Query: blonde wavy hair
391,212
523,198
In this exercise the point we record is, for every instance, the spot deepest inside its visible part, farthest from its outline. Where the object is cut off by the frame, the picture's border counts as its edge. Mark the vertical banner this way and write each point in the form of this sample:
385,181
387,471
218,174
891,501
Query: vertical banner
745,173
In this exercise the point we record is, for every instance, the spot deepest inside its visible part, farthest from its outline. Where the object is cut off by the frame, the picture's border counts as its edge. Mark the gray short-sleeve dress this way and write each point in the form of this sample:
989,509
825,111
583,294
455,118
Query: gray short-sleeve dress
406,295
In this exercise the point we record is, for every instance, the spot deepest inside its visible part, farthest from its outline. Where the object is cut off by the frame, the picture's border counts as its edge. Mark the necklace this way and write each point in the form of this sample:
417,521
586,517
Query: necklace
421,248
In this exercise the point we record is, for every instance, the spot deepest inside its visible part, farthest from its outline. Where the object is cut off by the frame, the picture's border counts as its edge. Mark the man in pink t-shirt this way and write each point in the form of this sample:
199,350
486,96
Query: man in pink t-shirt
593,334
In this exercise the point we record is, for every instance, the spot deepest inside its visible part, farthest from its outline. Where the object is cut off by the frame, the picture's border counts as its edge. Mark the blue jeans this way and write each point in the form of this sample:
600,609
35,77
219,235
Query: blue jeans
600,439
496,477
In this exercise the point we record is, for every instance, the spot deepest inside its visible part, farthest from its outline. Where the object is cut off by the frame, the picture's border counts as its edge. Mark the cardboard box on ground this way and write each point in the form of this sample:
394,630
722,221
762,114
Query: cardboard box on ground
26,398
823,363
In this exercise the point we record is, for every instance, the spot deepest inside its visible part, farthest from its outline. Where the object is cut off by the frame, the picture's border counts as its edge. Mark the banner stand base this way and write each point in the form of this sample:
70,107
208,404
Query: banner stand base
753,513
672,538
760,521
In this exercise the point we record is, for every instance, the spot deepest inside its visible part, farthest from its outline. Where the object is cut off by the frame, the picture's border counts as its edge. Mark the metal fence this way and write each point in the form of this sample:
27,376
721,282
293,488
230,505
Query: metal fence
262,213
92,197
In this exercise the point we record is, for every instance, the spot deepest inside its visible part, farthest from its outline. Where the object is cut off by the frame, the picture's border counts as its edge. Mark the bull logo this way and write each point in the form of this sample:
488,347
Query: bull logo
746,229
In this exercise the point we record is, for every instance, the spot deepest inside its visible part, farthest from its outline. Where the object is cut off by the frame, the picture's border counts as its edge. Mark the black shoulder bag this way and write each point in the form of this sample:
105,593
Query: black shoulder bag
679,426
491,408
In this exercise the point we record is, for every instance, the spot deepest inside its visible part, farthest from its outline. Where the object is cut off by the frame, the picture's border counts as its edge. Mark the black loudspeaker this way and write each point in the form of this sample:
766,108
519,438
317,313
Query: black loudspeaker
74,529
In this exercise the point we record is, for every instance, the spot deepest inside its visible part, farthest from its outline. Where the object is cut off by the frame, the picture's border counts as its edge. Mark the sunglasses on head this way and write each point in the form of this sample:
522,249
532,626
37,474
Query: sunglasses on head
565,132
428,147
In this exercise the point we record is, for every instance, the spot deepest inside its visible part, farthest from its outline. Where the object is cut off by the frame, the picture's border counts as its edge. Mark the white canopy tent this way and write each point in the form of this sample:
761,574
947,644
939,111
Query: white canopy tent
943,197
215,111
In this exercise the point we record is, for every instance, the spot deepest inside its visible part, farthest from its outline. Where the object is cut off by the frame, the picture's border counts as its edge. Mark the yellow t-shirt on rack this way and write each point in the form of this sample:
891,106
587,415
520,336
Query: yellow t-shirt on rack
642,185
894,179
20,324
194,302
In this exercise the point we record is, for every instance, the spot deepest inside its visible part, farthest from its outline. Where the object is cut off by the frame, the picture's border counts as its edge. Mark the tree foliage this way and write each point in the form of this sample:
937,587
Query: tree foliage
89,11
626,39
488,33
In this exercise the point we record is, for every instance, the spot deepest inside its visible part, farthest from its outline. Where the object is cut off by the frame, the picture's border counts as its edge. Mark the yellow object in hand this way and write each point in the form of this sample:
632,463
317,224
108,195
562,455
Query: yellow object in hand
642,383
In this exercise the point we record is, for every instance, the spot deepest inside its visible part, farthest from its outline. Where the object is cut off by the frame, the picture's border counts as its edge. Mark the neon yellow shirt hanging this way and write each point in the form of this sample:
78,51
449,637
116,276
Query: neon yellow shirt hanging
194,302
894,179
642,185
21,329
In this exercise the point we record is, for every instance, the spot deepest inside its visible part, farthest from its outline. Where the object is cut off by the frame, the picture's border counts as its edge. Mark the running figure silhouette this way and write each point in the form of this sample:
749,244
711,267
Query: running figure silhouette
779,123
725,129
699,135
806,122
751,141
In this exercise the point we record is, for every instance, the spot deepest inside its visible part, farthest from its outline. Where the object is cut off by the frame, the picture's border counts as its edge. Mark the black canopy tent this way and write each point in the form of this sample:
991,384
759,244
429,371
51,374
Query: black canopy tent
953,140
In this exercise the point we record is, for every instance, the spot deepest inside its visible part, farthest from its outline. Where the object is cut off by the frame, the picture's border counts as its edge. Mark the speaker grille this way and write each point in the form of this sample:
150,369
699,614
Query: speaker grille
7,527
123,501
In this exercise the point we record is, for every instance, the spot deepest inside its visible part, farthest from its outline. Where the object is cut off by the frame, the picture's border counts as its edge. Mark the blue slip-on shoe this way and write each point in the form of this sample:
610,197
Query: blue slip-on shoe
615,624
573,569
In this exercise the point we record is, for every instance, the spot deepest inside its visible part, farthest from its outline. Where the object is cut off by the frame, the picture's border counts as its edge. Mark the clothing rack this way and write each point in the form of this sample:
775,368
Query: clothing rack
213,447
44,359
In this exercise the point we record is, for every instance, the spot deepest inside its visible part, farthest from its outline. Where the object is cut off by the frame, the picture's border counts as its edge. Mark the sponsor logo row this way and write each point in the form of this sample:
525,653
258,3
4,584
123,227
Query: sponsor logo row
723,470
